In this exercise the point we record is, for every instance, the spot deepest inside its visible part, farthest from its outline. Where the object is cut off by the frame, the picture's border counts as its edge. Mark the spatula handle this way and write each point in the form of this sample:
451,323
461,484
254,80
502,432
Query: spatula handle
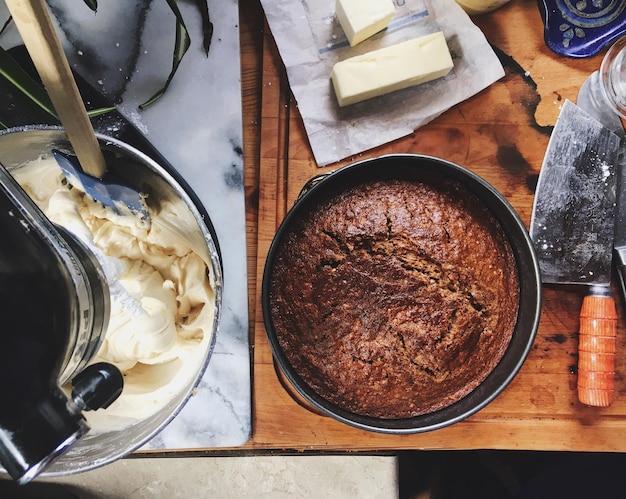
596,350
38,34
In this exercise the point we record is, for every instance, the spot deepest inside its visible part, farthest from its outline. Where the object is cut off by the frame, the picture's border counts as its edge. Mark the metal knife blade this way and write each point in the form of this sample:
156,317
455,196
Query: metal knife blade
572,224
591,99
572,228
619,244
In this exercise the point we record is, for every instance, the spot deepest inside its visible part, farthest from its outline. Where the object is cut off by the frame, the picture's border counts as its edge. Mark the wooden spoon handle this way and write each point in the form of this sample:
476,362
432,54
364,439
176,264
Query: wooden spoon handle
35,26
596,350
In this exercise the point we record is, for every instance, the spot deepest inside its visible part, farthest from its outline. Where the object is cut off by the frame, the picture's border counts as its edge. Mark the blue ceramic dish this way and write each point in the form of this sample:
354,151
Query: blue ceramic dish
581,28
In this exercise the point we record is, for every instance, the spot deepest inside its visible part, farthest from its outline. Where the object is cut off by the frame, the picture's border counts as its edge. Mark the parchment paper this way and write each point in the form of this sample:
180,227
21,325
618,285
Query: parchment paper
310,41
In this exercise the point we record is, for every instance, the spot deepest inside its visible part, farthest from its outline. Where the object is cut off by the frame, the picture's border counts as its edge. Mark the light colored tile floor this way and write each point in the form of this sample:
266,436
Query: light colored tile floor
274,477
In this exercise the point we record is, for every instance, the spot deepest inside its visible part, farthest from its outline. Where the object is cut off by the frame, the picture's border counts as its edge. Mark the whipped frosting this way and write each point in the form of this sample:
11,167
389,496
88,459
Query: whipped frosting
162,298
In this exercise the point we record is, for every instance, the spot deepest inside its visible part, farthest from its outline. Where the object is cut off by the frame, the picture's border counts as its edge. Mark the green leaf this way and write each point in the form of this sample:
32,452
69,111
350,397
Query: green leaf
181,45
37,94
207,25
98,112
32,89
92,4
6,25
15,74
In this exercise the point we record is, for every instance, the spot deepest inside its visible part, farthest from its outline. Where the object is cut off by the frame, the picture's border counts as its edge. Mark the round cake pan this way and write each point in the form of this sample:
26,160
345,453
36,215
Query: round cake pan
24,144
416,168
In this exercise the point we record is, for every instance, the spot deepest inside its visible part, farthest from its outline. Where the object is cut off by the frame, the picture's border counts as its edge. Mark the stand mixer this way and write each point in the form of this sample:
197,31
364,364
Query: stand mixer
54,308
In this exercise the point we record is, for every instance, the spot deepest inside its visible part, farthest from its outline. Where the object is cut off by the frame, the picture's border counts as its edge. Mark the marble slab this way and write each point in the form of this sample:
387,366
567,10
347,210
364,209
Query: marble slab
125,52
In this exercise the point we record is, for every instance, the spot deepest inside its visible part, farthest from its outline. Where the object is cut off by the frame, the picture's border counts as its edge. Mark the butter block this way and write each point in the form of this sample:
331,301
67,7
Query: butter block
391,68
361,19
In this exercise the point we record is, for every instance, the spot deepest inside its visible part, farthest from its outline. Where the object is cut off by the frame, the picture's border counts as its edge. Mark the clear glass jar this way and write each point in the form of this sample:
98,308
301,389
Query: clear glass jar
613,77
603,93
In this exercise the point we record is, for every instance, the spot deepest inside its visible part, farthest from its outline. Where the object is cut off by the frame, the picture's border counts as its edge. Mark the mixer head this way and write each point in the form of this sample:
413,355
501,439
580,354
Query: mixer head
54,308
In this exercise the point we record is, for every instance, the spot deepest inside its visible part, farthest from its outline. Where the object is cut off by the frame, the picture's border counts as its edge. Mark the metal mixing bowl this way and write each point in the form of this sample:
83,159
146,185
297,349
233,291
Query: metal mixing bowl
24,144
417,168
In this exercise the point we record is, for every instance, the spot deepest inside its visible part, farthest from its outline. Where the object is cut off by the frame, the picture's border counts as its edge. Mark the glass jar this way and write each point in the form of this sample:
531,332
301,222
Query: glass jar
603,93
613,77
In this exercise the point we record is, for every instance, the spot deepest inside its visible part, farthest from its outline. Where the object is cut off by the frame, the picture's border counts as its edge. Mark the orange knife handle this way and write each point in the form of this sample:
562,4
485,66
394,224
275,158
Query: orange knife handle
596,350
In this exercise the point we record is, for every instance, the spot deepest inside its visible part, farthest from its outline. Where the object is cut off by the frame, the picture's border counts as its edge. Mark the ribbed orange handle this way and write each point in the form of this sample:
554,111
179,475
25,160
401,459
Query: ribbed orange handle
596,351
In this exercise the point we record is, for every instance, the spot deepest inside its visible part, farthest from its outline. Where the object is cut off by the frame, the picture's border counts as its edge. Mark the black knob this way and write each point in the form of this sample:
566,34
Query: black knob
97,386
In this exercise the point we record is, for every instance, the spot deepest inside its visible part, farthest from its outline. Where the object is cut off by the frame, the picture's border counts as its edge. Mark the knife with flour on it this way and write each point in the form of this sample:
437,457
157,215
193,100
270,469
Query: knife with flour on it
591,99
572,228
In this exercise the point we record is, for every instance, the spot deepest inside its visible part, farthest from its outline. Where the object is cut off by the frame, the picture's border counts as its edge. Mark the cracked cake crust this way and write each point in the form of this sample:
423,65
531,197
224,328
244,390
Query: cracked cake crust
395,298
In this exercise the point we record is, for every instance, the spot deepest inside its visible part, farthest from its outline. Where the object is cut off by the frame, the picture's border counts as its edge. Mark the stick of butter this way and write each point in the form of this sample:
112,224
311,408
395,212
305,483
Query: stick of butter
391,68
361,19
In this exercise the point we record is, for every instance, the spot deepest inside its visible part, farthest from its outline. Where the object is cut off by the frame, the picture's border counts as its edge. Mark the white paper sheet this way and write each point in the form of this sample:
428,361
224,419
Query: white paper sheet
310,41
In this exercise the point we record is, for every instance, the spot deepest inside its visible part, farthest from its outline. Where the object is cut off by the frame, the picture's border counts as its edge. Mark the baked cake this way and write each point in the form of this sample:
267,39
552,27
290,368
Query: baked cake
395,298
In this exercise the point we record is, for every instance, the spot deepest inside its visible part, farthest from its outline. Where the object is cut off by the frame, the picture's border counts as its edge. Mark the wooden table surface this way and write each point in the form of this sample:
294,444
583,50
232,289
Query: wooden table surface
501,134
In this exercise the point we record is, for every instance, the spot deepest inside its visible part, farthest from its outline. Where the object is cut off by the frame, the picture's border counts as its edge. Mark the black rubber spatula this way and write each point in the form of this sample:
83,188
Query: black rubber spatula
87,171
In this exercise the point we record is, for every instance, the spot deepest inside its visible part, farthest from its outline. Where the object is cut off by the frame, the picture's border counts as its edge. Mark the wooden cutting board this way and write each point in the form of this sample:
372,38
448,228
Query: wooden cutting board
501,134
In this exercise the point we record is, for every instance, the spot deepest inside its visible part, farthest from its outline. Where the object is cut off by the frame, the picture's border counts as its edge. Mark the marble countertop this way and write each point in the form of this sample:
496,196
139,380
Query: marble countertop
125,52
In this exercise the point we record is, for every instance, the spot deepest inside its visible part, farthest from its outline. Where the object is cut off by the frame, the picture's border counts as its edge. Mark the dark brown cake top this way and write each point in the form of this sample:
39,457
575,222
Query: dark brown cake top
395,298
